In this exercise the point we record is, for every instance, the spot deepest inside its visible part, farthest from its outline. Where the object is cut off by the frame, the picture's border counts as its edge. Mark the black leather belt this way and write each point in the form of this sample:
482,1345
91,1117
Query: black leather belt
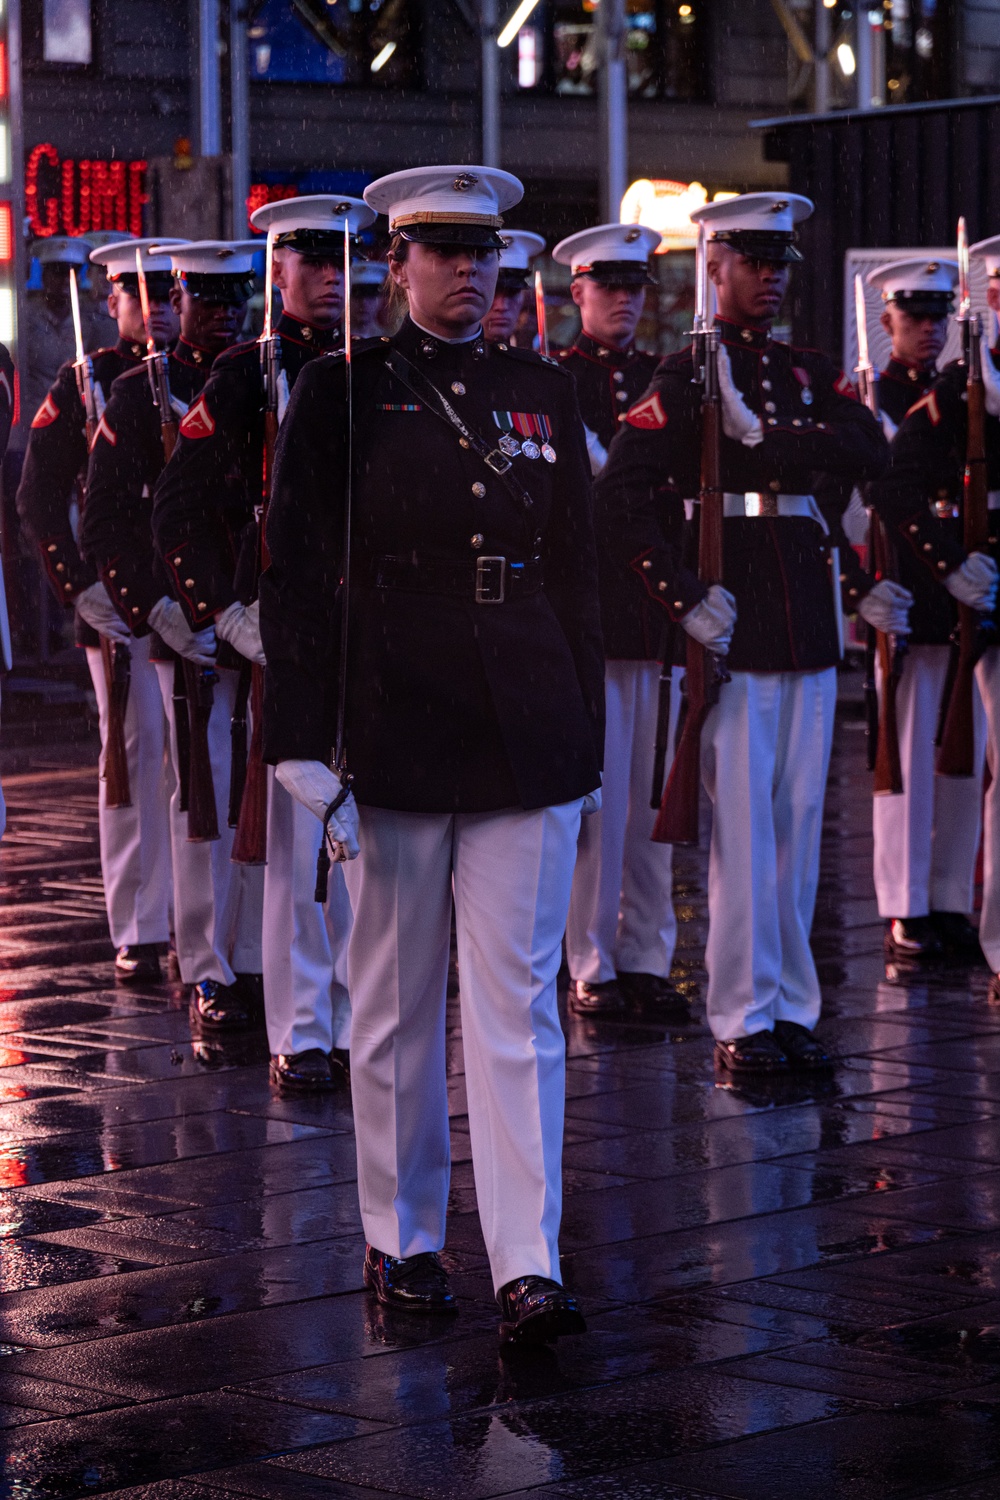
485,580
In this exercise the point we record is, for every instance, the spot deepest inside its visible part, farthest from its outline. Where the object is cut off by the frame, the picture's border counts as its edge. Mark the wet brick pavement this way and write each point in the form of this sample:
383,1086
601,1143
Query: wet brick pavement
793,1293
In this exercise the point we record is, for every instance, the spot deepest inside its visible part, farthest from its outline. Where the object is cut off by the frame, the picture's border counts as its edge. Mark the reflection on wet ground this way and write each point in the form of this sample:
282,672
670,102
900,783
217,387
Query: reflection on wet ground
793,1291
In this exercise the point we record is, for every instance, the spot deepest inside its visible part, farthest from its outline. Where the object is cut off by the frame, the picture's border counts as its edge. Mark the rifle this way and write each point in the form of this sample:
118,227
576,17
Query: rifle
203,821
885,763
250,840
340,752
543,331
115,656
956,745
677,821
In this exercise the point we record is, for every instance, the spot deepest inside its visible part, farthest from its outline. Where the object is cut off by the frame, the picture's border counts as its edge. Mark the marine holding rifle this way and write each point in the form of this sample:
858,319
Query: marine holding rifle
217,905
206,517
941,501
765,745
466,700
134,836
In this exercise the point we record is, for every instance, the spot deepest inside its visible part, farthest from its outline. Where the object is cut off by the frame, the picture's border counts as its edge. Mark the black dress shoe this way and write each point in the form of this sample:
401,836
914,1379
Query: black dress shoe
651,995
604,999
800,1046
340,1067
958,937
417,1284
535,1310
301,1072
218,1006
912,937
759,1053
137,963
250,988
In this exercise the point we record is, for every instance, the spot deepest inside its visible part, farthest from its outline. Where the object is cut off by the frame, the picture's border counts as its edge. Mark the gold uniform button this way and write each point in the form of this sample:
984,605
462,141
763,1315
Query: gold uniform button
942,566
914,530
463,442
770,406
678,604
772,421
124,592
928,547
647,564
477,540
765,385
112,572
202,604
135,609
307,332
67,588
765,359
60,567
662,587
479,490
796,421
177,562
618,377
52,547
189,583
458,388
621,395
746,335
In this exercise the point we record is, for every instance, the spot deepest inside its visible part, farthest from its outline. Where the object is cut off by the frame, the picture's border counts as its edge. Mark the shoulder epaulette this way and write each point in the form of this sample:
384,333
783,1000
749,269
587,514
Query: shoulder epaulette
530,357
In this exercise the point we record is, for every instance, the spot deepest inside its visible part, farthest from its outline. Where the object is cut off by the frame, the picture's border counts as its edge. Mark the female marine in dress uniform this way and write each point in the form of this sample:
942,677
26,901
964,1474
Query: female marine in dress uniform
473,731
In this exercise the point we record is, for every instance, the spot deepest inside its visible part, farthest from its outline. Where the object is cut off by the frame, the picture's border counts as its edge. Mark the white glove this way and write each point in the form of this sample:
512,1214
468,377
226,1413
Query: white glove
315,786
991,378
591,803
738,421
240,626
596,452
711,622
975,583
167,619
94,606
887,607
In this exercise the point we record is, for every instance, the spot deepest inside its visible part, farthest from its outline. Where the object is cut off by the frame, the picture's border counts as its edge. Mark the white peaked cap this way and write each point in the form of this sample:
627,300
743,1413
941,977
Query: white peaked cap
211,257
455,196
770,213
61,249
322,211
606,242
97,237
369,273
118,258
520,247
914,277
988,250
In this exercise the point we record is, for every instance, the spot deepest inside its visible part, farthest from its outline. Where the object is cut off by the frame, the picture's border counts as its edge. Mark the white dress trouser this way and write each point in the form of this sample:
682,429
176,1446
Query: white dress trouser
135,841
305,944
217,905
621,916
511,873
927,836
988,678
765,757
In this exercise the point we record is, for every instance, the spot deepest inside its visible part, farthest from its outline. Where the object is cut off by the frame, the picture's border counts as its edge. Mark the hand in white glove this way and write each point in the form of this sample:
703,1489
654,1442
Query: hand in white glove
94,606
975,583
240,626
887,607
738,421
167,619
711,622
596,452
316,786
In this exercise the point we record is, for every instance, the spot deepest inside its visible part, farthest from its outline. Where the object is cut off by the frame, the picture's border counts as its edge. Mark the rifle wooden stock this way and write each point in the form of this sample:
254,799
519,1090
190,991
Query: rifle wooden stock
203,818
250,841
677,821
956,751
115,658
887,768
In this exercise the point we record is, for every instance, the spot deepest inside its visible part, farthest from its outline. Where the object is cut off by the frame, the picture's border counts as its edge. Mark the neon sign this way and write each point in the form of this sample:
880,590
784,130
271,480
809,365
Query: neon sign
69,196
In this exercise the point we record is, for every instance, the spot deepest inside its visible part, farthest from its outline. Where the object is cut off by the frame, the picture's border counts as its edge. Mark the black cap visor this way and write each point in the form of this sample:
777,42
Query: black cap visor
617,273
319,244
777,249
158,284
923,304
461,236
229,287
511,280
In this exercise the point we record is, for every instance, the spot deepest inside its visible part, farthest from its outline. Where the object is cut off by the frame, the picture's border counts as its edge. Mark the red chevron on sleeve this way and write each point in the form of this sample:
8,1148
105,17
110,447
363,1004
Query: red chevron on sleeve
197,421
648,413
47,413
106,431
928,402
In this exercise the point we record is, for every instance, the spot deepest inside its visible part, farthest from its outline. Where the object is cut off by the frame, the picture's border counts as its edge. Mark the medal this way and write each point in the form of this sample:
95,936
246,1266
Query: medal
531,449
807,395
509,445
548,453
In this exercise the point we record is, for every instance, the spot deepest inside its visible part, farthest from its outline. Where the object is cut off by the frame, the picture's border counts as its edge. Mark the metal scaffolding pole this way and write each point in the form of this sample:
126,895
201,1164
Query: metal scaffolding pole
613,109
490,82
821,67
209,130
239,104
865,74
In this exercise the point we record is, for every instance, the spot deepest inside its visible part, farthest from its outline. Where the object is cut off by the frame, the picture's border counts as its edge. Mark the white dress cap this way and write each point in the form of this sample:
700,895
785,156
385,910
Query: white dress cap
210,257
758,225
61,249
369,273
446,205
322,212
118,257
916,279
613,252
988,250
520,247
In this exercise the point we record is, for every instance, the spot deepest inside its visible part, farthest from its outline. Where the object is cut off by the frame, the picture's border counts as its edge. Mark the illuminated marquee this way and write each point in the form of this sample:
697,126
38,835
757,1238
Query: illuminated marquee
69,196
666,206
